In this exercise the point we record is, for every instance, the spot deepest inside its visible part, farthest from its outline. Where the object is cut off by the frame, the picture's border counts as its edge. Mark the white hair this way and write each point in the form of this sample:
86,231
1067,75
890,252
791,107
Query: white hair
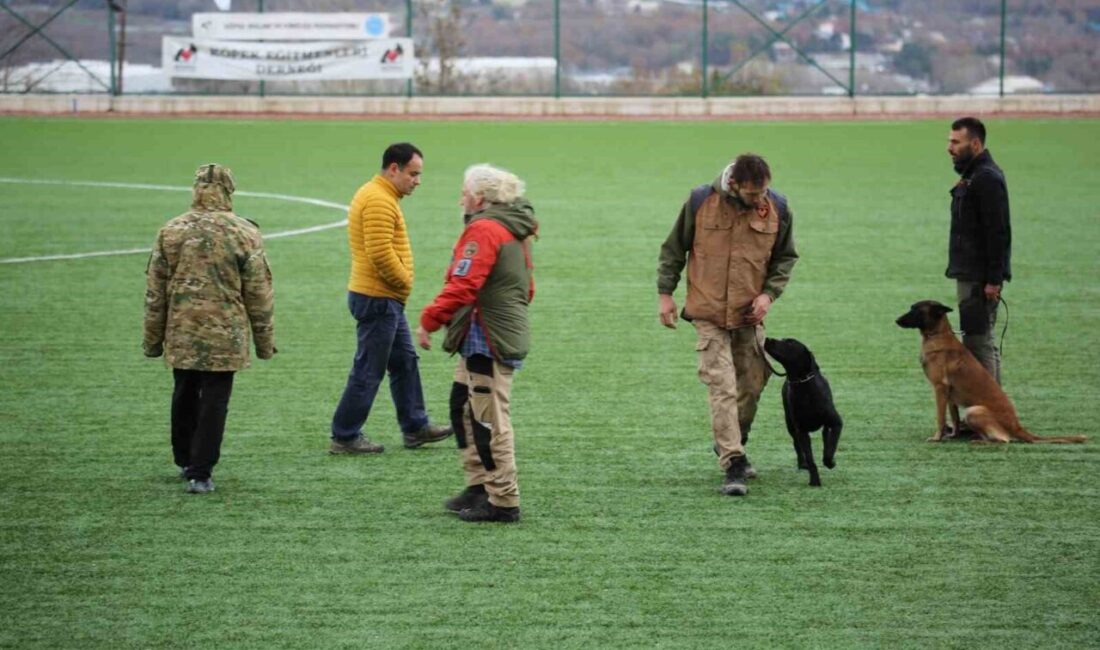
493,184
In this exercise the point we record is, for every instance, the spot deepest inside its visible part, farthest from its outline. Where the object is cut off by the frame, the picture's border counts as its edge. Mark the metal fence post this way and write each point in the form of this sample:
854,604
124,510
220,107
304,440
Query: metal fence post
263,85
409,33
557,49
852,51
111,41
1004,9
704,88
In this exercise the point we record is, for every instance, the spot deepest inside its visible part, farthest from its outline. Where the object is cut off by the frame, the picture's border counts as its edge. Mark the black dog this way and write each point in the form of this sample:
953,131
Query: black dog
807,403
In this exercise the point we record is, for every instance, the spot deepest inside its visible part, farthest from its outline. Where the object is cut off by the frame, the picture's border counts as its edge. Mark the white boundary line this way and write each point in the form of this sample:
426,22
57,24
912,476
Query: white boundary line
167,188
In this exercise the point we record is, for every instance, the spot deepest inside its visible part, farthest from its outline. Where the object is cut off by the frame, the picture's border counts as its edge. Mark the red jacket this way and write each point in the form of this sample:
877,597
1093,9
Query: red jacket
491,269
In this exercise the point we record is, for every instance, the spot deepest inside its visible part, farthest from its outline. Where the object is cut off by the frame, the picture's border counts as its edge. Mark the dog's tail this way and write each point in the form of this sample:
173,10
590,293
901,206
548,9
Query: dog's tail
981,419
1027,436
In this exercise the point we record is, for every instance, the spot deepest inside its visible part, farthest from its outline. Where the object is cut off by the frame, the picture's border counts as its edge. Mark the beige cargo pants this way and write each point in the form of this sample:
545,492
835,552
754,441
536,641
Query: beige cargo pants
489,455
734,371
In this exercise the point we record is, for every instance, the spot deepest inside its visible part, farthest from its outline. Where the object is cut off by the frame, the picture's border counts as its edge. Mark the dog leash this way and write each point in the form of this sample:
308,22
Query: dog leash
764,355
1001,345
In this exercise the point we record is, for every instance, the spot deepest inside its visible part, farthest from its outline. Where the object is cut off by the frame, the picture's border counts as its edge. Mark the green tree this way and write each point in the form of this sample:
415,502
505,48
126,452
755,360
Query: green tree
914,60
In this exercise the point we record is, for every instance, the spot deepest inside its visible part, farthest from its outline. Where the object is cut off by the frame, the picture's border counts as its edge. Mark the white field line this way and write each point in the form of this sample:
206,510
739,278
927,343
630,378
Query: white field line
168,188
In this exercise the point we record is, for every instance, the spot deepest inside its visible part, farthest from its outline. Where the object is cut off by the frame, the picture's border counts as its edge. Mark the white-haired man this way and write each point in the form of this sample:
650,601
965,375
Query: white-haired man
484,301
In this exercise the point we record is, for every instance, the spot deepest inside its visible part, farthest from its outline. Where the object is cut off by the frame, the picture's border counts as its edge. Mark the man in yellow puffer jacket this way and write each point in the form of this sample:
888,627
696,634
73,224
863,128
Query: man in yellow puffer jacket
381,280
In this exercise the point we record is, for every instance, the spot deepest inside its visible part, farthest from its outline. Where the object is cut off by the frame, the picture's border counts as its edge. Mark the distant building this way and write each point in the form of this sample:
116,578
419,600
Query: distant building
782,52
643,7
65,76
492,74
1013,84
891,46
825,30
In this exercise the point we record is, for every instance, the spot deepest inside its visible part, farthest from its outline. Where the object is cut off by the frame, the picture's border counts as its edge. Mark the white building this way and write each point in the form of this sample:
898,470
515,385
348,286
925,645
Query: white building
1013,84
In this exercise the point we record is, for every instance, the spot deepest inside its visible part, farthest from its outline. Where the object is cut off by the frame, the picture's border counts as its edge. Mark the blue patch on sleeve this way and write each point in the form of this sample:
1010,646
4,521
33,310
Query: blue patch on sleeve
463,267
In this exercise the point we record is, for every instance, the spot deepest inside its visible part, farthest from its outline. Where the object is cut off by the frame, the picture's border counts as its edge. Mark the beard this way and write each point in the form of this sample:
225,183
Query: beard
742,201
738,198
963,160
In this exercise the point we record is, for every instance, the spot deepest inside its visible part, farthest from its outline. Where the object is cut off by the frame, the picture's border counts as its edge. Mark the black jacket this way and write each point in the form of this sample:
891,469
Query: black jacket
981,234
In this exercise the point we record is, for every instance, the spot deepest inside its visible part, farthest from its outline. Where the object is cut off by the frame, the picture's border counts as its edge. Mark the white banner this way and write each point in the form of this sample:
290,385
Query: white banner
387,58
290,26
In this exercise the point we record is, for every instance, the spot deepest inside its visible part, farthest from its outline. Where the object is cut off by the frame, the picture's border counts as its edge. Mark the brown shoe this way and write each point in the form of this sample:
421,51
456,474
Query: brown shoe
427,433
357,445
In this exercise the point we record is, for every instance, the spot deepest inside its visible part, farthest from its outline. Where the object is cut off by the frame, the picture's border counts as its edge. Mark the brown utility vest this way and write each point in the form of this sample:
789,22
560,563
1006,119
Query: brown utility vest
729,260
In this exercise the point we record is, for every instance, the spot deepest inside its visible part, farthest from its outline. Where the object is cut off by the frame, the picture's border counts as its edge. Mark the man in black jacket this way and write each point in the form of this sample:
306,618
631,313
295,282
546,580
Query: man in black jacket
980,250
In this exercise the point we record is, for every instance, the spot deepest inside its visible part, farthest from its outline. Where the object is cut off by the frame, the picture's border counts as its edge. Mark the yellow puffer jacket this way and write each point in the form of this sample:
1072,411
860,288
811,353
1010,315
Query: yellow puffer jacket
381,257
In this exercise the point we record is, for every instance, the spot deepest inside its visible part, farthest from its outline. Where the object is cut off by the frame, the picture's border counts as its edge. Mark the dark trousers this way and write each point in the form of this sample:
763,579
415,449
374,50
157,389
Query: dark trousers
200,402
385,345
982,346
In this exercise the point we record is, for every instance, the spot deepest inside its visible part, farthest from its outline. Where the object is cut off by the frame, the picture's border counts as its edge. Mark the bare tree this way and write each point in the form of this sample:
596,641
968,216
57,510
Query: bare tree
445,42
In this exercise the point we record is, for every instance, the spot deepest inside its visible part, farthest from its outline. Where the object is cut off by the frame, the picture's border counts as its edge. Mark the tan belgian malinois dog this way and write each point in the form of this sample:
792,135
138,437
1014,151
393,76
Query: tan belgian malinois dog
960,381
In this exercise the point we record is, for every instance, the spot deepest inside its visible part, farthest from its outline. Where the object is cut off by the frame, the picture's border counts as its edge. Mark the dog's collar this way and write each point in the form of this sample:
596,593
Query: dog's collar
803,380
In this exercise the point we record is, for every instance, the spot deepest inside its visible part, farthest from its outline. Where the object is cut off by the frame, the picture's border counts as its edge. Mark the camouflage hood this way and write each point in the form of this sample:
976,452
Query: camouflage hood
213,189
518,217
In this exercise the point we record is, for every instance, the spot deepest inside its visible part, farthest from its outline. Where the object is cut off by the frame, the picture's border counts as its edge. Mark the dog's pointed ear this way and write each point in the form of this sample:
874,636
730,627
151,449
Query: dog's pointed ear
939,310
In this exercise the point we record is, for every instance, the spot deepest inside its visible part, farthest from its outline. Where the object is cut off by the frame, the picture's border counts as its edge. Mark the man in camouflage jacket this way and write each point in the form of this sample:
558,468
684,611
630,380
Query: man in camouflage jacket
208,295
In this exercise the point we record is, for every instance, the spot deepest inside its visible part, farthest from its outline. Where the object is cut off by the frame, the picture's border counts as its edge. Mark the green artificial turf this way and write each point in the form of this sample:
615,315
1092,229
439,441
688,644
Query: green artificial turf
625,540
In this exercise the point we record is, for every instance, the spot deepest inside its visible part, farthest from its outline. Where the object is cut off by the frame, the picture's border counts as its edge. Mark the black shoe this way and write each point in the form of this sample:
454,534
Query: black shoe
488,512
472,497
734,484
198,486
357,445
750,471
427,433
964,433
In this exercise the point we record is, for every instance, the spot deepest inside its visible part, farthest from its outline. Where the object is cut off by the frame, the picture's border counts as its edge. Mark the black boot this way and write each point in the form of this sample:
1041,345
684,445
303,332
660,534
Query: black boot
488,512
471,497
734,485
750,471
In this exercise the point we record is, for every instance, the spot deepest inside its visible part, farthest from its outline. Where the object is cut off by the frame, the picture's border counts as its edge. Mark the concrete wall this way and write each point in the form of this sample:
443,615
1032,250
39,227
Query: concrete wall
569,107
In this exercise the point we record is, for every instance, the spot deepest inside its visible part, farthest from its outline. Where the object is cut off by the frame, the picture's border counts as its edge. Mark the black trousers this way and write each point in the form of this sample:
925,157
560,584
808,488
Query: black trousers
200,402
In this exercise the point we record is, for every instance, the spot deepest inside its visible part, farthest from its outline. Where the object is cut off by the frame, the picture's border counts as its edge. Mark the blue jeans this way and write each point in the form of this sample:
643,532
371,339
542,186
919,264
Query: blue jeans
385,344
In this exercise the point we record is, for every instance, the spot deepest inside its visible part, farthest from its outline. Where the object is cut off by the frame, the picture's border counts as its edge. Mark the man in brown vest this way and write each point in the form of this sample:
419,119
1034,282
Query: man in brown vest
735,235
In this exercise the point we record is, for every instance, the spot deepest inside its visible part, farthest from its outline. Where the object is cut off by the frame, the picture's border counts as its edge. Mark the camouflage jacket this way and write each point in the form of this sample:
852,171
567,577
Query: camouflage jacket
208,287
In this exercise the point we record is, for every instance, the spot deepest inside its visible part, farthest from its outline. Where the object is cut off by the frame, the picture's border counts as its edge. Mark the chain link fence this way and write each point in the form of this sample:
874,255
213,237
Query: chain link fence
677,48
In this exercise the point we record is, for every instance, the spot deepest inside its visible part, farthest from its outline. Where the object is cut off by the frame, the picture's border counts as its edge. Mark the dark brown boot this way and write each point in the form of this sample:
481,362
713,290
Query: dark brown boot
427,433
472,497
357,445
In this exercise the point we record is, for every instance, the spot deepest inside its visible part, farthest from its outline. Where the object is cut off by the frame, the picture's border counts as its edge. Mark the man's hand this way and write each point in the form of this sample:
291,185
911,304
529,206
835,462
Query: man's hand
266,354
423,338
153,351
993,292
758,310
666,310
